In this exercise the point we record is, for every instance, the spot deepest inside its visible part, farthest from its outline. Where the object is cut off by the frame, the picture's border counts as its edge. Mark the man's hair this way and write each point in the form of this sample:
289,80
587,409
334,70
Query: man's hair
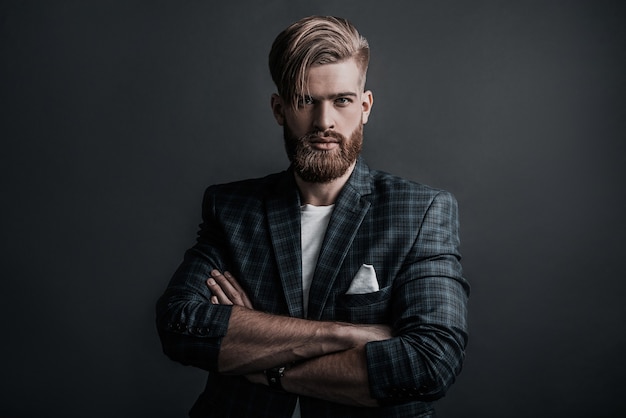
314,40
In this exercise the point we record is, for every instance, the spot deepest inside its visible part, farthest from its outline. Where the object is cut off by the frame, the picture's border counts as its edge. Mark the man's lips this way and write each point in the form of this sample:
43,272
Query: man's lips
325,143
319,140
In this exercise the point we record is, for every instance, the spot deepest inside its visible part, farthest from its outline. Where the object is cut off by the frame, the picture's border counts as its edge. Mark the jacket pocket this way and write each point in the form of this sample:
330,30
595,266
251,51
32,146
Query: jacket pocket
366,308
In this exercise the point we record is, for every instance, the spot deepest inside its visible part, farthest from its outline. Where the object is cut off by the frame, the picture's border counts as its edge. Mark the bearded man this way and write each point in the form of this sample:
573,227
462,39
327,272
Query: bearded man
327,290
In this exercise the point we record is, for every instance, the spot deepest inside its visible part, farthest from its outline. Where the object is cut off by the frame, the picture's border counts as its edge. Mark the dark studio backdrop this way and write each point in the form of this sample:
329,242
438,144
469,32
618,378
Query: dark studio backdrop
117,114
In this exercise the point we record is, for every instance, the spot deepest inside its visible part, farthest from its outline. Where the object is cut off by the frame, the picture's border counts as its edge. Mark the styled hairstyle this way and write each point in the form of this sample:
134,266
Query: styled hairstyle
314,40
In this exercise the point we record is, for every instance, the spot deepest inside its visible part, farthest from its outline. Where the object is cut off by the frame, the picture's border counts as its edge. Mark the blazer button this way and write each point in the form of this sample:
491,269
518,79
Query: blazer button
200,331
423,390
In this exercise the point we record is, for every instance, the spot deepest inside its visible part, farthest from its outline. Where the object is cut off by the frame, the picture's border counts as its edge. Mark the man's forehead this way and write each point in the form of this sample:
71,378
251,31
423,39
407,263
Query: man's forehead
346,65
335,78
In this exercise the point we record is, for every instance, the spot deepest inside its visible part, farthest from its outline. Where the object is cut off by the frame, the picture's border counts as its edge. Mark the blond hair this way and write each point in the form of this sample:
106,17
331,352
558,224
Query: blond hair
314,40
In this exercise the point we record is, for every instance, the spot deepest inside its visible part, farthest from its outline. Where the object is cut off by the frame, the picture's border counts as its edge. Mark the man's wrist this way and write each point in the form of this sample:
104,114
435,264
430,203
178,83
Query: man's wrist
274,376
340,336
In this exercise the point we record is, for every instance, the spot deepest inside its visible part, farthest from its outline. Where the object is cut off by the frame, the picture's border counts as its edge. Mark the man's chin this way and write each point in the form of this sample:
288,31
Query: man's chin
322,174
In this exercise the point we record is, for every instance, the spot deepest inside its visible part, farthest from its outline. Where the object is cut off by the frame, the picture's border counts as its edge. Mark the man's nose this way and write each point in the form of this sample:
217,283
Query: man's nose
324,117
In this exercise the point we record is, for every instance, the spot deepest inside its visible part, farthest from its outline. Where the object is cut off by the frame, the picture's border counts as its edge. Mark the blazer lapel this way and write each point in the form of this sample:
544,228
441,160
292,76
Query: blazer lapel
283,214
350,209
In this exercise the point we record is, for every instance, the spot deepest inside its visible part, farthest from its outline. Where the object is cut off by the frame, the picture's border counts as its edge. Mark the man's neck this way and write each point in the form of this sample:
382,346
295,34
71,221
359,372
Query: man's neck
322,194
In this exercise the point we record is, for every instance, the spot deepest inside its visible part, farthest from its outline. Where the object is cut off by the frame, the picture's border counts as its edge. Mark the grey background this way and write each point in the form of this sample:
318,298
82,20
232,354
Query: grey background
116,115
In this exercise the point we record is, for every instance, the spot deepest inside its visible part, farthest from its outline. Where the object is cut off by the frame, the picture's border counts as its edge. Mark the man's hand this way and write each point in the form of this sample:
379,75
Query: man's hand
226,290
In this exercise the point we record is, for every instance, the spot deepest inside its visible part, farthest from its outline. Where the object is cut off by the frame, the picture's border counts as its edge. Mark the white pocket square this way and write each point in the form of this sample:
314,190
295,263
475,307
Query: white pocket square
365,281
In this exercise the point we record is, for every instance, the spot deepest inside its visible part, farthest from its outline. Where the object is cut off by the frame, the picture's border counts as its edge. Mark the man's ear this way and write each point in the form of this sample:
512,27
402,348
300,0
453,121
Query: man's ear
278,108
367,101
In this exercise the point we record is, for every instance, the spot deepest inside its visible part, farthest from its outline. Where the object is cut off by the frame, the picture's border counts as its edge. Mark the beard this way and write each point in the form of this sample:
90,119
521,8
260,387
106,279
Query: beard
322,166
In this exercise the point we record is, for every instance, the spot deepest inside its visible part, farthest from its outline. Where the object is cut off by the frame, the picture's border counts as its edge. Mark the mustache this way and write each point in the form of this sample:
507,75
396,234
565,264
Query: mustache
323,135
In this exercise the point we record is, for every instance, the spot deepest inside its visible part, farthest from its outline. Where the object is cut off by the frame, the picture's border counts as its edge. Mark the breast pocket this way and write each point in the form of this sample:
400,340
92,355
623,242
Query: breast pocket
366,308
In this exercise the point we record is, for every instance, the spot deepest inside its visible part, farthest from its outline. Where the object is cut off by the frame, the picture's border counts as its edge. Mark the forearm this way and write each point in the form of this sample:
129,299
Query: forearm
339,377
256,341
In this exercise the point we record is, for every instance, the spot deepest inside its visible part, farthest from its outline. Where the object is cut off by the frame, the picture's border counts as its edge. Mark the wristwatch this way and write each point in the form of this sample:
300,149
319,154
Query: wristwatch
274,375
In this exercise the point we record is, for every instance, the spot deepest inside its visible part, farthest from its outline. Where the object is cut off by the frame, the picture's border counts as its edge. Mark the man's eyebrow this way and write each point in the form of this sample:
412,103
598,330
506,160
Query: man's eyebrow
333,96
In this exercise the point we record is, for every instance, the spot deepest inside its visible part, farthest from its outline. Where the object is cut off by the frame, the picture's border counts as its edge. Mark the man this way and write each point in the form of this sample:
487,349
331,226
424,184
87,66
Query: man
327,290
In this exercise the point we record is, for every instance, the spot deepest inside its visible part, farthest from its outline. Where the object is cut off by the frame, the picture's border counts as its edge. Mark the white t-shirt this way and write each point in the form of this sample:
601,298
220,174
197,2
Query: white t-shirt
313,223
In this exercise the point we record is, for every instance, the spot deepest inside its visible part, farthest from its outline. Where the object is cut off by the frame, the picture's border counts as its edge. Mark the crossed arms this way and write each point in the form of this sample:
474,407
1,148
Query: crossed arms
332,363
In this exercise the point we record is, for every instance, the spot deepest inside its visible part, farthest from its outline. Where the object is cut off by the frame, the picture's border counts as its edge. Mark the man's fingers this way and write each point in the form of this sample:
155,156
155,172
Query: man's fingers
240,292
219,297
227,290
230,291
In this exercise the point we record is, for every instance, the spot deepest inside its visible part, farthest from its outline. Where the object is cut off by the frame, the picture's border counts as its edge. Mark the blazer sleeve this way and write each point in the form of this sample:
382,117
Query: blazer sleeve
429,314
190,326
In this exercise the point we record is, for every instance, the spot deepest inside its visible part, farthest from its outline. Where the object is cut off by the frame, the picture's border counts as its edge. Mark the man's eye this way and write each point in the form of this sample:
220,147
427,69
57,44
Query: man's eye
303,101
343,101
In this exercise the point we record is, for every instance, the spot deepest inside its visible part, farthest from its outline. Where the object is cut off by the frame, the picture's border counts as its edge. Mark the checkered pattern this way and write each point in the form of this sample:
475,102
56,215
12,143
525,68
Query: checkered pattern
407,231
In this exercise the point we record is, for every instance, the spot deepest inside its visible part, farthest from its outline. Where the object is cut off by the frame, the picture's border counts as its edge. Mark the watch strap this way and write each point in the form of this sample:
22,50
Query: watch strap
274,376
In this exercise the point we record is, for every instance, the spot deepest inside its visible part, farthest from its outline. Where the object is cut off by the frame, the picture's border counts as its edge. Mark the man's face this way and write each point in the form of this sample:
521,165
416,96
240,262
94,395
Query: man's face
324,134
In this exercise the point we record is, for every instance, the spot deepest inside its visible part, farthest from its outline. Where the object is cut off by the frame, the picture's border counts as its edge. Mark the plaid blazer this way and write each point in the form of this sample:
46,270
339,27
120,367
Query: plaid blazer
407,231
